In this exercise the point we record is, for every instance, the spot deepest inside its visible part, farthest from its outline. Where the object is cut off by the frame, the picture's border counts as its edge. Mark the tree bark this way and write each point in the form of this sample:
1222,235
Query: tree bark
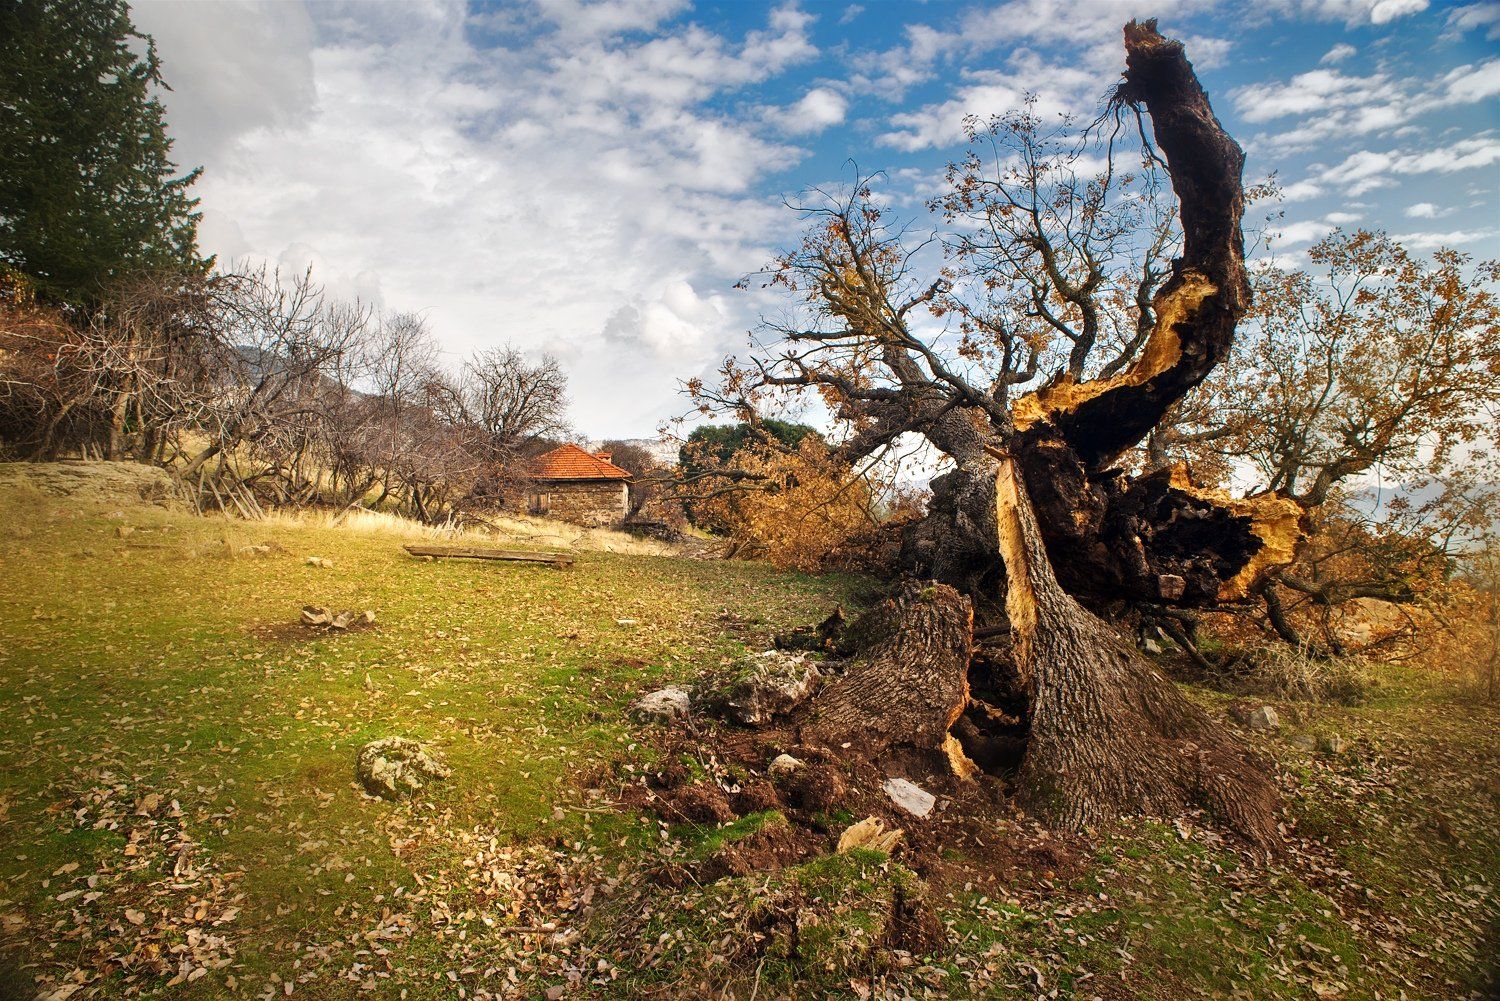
1109,735
909,682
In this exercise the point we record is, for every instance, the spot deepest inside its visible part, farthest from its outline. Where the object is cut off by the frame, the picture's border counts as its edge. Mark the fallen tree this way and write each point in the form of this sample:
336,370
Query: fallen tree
1038,523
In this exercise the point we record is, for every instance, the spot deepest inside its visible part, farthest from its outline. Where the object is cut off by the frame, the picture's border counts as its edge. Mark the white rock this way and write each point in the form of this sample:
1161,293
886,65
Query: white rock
783,764
395,767
667,703
761,687
909,796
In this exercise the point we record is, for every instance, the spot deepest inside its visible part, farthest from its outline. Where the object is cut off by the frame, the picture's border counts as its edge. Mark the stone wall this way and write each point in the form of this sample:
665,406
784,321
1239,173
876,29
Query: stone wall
584,502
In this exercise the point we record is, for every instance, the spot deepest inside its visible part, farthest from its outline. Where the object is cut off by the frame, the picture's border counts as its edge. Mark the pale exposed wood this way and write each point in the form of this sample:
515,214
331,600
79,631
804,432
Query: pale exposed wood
484,553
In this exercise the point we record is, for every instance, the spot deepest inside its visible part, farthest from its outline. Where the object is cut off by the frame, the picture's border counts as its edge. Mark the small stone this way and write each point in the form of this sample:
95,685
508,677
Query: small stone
343,620
783,764
315,615
124,530
318,561
909,796
1305,741
1263,718
396,767
664,704
367,617
627,622
1331,744
1253,716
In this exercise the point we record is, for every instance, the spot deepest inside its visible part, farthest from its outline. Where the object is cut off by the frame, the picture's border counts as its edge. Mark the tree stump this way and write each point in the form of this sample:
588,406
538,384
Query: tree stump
909,682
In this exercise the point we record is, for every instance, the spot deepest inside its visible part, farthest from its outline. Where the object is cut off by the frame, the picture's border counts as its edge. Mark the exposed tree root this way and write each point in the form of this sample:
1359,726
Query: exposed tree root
910,680
1108,734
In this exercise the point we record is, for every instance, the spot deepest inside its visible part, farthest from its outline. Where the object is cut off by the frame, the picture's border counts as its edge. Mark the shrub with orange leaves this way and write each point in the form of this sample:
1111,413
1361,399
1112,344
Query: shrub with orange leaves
792,507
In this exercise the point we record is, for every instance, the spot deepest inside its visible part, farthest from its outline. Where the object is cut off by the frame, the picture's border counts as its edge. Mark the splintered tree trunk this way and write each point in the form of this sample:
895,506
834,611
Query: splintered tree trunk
1109,735
909,681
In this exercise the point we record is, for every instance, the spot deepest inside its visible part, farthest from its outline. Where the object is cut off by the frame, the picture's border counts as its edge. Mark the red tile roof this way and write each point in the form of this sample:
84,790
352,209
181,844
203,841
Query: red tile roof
573,463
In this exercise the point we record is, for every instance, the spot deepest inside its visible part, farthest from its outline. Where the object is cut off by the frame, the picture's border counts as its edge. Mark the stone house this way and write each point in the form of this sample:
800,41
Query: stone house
579,486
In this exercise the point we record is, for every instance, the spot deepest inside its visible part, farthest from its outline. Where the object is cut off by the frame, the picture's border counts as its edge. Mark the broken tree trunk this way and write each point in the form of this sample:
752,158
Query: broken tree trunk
1109,735
908,683
483,553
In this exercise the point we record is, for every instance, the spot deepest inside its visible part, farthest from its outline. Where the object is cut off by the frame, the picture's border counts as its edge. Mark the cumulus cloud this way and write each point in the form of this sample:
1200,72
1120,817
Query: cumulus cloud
1354,12
1484,16
523,192
1306,231
986,93
1333,104
1421,210
1367,170
1338,54
1453,238
818,109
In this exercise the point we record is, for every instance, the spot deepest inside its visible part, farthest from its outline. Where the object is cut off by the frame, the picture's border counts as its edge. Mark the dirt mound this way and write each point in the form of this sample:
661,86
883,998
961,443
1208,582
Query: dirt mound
92,482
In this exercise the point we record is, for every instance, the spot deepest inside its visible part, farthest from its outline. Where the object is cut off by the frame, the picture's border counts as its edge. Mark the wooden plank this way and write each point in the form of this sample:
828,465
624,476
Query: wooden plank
483,553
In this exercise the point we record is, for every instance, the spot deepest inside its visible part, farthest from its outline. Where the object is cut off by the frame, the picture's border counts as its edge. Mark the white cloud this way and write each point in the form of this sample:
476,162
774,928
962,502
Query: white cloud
1475,17
1367,170
1338,54
1353,12
1421,210
1468,84
1301,191
1332,104
1453,238
1305,231
675,322
818,109
987,93
604,18
533,193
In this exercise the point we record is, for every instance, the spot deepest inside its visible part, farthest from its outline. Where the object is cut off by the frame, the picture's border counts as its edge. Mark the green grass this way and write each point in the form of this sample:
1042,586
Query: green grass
179,669
169,662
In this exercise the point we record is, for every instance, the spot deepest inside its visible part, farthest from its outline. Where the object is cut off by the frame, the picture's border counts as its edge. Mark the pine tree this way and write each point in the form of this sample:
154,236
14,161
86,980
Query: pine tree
88,190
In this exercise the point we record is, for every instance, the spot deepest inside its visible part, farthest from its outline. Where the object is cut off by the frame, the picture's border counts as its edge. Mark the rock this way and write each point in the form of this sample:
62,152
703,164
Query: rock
783,764
627,623
664,704
123,530
909,796
1263,718
1331,744
315,615
1306,741
343,620
395,767
318,561
869,834
761,687
1254,717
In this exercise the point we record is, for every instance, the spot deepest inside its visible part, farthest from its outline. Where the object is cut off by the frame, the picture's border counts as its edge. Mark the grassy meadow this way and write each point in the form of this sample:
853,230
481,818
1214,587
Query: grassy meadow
179,815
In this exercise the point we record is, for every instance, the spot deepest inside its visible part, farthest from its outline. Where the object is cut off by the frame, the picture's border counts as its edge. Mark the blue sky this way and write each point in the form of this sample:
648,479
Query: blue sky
591,179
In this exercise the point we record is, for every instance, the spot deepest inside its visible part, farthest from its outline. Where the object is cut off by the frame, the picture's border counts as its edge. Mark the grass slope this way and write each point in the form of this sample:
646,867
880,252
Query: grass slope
179,816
